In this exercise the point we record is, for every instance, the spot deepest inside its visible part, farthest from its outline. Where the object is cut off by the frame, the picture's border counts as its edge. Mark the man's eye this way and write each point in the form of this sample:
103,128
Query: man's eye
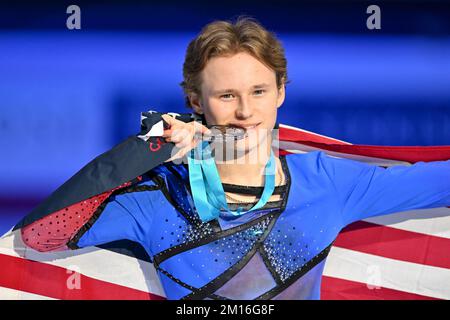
227,96
259,92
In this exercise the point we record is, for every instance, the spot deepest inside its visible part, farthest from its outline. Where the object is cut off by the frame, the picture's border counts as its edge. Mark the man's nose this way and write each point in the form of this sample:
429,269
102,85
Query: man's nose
244,109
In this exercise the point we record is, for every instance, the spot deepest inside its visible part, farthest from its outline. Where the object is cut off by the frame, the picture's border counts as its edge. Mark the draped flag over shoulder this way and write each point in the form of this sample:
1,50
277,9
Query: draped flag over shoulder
397,256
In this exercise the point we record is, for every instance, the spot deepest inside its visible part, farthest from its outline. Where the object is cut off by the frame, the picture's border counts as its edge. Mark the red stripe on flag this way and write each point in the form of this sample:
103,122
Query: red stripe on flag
51,281
411,154
395,244
340,289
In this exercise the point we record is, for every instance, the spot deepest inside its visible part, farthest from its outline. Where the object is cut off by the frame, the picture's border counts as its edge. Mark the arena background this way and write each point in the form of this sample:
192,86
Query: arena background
69,95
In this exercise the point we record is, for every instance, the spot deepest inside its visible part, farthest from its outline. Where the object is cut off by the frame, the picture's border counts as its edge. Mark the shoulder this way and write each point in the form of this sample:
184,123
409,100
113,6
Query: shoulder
307,167
307,156
309,160
320,163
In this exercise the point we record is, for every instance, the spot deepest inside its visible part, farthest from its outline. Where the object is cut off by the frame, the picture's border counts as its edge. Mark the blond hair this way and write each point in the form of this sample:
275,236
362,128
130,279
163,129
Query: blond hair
223,38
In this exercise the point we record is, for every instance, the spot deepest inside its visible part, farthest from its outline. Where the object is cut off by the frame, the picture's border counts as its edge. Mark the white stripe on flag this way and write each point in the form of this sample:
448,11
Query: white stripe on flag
12,294
434,221
93,262
313,133
388,273
294,147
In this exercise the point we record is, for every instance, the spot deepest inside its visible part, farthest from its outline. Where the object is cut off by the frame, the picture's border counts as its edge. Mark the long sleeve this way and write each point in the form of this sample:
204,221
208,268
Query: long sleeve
126,216
368,190
123,213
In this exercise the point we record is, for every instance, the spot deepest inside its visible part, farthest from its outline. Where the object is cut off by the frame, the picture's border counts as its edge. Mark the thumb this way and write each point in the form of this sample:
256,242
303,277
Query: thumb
169,119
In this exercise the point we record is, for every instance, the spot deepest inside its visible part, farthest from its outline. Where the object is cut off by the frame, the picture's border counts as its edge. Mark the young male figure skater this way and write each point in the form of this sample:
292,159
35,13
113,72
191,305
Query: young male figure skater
222,229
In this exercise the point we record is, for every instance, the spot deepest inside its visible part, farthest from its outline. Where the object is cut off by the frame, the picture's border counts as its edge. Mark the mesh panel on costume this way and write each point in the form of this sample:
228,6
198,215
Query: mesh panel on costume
303,288
252,281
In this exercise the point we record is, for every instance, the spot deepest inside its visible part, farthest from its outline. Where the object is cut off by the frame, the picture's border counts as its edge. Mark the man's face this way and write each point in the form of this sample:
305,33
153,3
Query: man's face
240,90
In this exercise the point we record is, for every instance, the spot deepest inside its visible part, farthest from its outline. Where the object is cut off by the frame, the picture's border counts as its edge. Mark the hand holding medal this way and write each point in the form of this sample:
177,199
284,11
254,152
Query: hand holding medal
187,136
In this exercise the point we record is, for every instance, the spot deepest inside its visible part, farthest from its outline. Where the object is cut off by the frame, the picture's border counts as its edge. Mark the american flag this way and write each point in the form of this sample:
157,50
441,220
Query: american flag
401,256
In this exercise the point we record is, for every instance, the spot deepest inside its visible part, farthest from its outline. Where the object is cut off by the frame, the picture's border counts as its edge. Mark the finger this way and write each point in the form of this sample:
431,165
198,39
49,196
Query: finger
174,131
194,144
181,145
185,138
185,142
169,119
205,130
179,154
174,139
178,138
176,156
181,133
167,133
199,128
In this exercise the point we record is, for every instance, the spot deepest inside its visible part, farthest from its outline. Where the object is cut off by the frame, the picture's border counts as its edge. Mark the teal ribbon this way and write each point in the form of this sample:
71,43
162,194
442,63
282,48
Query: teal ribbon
206,186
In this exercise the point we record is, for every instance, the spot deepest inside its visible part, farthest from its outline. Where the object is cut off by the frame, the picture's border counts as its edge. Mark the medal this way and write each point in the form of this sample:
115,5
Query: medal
207,190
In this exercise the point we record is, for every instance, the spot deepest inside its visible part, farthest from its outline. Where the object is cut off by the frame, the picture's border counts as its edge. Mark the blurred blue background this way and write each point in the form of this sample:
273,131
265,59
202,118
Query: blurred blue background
68,95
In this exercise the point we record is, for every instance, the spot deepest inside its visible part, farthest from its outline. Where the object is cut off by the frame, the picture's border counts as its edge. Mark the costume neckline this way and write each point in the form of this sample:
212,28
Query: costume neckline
282,190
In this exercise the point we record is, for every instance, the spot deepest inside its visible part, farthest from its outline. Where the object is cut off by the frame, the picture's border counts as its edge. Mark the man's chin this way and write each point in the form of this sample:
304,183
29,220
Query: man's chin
256,148
241,149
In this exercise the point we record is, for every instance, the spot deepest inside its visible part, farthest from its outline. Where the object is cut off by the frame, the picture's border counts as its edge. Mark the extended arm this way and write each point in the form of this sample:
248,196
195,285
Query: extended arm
368,190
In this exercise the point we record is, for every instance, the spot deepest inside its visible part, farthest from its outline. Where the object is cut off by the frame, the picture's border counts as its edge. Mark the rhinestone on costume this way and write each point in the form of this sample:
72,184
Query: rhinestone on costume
281,249
193,233
229,250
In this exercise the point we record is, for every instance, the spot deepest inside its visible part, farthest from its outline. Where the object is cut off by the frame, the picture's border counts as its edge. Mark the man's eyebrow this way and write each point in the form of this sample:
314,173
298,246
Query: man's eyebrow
221,91
256,86
262,85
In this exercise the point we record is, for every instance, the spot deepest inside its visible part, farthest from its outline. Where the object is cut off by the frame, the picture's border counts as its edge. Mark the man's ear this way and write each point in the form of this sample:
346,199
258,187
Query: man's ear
281,95
194,100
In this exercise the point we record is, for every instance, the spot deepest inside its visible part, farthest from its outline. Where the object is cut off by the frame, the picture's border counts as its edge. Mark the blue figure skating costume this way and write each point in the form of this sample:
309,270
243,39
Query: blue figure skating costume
275,252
